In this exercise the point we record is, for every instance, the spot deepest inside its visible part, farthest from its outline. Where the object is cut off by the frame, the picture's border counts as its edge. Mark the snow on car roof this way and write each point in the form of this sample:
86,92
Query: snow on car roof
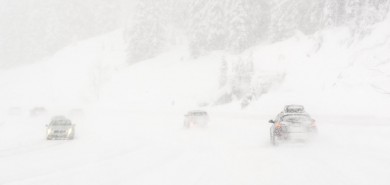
60,120
196,112
294,108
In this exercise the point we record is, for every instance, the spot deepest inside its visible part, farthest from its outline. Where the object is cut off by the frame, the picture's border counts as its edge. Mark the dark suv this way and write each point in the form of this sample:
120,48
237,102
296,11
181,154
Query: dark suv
292,123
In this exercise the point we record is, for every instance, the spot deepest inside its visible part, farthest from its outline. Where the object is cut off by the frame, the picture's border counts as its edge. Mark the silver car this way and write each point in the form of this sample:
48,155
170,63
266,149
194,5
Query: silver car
60,127
196,118
291,126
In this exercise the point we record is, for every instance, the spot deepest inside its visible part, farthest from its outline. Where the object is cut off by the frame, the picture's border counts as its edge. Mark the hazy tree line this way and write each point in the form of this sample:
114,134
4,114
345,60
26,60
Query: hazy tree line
203,25
32,29
235,25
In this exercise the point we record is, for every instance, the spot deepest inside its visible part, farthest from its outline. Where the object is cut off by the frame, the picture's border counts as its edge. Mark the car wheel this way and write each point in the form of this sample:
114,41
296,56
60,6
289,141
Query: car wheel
272,137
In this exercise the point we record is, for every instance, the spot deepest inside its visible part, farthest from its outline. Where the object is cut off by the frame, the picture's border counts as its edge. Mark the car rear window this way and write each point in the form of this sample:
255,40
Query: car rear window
60,122
197,113
296,118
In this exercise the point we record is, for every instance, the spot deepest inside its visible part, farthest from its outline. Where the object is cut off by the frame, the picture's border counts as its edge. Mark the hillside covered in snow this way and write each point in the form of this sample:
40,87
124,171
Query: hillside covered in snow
329,70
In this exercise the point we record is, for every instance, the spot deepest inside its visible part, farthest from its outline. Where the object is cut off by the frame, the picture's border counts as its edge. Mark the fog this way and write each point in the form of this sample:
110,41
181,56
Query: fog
35,29
192,92
32,30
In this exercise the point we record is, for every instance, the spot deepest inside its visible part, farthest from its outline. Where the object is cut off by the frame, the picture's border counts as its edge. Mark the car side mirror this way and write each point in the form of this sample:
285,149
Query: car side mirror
271,121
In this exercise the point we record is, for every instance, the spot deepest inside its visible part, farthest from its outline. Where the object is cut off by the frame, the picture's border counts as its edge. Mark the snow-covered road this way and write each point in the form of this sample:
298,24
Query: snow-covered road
147,148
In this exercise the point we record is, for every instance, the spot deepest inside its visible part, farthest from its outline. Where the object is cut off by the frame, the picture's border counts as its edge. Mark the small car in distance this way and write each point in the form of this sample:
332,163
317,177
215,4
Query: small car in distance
60,127
291,126
37,111
196,118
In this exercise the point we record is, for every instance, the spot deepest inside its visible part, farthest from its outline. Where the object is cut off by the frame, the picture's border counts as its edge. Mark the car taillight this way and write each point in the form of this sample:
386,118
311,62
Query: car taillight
278,125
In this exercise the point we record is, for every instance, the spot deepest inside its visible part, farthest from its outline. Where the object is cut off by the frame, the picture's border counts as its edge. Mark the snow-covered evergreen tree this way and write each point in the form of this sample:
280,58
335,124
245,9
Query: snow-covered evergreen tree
243,70
223,76
198,27
363,13
238,25
310,16
146,35
231,25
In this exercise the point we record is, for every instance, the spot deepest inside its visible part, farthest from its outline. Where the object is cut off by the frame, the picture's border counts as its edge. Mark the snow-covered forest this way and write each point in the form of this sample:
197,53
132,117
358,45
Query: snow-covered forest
129,74
39,28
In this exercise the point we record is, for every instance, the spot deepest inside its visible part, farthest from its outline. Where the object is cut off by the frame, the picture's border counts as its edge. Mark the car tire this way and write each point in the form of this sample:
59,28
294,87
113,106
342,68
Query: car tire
272,137
186,125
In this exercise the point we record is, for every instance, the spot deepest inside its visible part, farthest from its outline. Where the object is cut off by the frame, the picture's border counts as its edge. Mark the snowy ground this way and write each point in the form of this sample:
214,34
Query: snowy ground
137,148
